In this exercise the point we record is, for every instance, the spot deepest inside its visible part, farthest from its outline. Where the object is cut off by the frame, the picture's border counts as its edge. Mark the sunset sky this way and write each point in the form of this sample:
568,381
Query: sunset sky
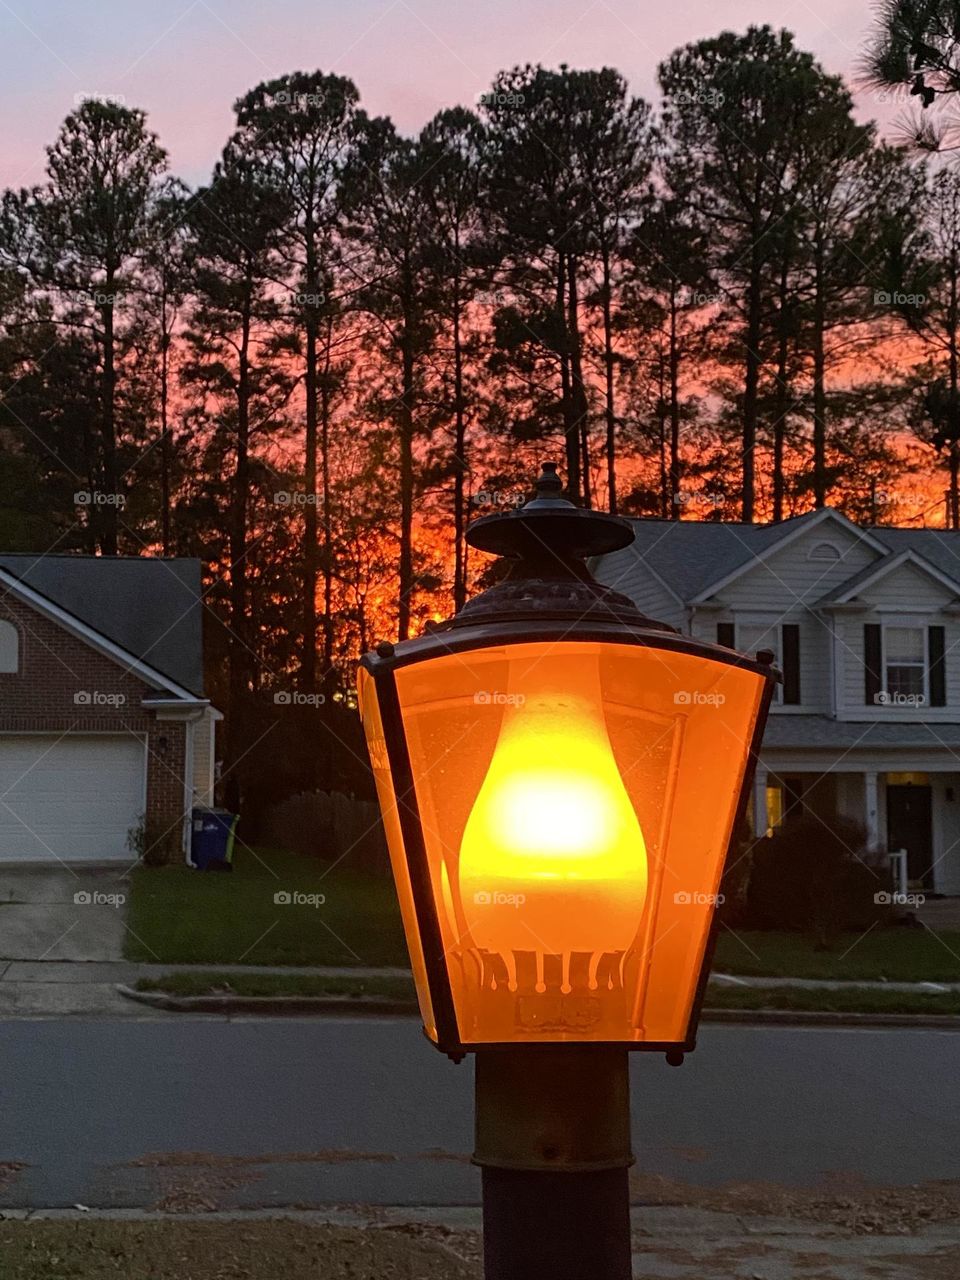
185,61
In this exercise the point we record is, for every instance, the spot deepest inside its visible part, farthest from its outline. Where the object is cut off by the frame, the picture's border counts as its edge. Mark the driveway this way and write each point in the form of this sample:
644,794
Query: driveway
62,912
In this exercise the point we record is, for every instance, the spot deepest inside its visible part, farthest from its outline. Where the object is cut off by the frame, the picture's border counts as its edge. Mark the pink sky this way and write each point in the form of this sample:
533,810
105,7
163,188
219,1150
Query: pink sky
185,61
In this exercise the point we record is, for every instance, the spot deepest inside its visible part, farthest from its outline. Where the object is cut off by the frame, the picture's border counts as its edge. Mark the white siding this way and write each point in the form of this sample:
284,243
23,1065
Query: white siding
901,595
203,738
788,579
786,588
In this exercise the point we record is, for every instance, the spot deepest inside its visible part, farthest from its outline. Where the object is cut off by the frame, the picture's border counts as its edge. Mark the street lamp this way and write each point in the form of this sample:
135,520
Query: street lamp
560,779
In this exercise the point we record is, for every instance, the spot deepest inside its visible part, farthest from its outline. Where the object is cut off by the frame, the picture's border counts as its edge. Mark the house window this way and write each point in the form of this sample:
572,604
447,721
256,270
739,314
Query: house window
824,551
9,648
905,662
784,640
774,807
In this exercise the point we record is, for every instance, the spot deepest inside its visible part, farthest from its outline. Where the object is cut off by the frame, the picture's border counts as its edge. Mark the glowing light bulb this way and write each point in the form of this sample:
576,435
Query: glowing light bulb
553,859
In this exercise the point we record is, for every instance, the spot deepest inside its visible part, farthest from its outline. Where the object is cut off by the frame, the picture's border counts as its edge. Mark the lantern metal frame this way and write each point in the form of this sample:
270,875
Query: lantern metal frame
463,634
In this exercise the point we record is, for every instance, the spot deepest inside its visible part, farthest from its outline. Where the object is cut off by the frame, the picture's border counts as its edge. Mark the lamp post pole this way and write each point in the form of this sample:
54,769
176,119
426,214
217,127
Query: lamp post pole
553,1142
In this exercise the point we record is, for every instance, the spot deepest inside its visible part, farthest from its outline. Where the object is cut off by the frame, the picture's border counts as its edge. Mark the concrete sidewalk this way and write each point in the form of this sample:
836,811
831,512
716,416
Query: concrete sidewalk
62,912
112,971
59,989
62,988
829,984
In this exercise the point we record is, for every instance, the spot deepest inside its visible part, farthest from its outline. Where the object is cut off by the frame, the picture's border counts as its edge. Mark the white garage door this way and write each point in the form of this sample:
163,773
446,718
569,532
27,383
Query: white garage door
73,798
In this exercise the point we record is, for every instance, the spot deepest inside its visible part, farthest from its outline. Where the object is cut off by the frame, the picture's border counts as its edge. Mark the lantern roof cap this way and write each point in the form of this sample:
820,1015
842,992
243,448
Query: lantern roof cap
548,526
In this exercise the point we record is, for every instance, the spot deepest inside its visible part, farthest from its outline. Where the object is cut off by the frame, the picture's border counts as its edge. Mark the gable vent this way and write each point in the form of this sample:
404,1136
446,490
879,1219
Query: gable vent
824,551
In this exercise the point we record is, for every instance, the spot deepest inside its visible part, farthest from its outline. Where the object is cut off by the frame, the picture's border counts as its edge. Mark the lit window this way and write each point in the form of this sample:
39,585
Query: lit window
905,661
774,807
9,648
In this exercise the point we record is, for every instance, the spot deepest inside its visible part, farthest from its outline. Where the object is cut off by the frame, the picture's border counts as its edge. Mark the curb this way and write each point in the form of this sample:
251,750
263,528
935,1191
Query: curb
337,1006
809,1018
281,1005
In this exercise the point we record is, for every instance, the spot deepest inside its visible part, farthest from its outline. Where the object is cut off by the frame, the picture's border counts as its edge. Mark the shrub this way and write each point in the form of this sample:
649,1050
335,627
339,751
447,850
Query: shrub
154,843
812,875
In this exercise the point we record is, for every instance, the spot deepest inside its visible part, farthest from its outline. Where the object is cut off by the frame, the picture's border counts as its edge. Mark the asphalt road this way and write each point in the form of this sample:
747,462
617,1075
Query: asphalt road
205,1112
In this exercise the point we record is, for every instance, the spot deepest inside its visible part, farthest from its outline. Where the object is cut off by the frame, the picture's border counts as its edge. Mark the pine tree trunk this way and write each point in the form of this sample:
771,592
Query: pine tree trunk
238,659
327,496
459,452
578,389
751,386
609,405
406,470
308,654
571,434
674,367
165,450
108,509
782,398
819,385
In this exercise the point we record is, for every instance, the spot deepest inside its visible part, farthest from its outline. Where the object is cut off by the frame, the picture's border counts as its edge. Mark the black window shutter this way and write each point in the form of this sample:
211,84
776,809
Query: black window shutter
938,674
873,681
725,635
790,632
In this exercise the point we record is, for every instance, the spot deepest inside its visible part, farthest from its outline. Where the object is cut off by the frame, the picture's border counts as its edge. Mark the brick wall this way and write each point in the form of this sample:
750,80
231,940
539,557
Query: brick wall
63,686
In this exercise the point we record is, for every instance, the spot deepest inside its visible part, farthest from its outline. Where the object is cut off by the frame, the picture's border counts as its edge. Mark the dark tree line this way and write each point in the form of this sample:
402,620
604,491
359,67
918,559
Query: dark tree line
312,370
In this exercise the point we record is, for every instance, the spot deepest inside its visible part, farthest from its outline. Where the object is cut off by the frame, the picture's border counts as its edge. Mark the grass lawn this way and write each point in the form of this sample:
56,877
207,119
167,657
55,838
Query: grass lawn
819,1000
180,916
206,983
899,955
210,982
171,1250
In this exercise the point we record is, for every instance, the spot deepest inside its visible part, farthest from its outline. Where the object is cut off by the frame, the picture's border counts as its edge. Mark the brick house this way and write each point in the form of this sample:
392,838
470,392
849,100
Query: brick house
104,728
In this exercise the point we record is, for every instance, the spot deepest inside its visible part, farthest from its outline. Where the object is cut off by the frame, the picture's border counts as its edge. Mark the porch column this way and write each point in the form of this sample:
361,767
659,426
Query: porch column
871,809
760,819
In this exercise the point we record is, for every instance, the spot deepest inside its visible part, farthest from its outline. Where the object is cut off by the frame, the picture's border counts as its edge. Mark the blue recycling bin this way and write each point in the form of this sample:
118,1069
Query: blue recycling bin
211,843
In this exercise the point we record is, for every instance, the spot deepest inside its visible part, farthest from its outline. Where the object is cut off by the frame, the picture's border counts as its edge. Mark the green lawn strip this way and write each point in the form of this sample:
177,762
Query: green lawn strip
822,1000
172,1250
180,916
897,954
827,1000
210,982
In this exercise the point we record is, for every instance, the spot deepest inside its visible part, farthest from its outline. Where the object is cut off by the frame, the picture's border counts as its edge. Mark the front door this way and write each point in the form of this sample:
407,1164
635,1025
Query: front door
909,826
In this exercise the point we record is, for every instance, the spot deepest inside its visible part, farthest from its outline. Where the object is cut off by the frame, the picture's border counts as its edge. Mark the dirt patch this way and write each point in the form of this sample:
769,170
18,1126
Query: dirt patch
189,1181
222,1251
847,1203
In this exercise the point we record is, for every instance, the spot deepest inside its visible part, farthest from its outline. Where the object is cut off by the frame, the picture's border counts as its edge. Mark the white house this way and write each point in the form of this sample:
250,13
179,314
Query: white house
865,623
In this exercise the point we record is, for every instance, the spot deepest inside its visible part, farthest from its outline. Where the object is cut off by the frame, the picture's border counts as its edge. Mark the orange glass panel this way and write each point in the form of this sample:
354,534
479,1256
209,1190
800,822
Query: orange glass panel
577,801
376,744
